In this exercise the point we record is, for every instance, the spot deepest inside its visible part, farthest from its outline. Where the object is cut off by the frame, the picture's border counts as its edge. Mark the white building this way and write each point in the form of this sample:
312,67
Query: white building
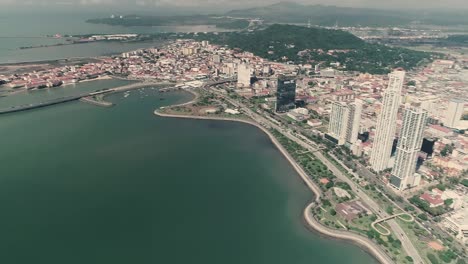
386,123
337,126
454,113
344,121
298,114
354,121
409,145
457,223
243,75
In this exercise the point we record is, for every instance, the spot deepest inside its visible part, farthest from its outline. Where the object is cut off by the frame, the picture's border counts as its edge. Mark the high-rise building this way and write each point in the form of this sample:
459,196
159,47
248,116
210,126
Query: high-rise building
409,145
386,122
354,121
243,75
337,126
344,121
285,93
454,113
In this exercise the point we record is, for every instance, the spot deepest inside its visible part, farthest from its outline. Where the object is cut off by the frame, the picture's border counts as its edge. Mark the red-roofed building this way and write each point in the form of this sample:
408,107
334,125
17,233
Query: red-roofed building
324,181
434,198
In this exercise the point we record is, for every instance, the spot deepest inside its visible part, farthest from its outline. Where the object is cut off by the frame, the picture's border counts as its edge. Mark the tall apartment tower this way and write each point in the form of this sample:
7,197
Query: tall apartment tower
337,126
454,113
344,121
386,123
354,121
409,144
243,75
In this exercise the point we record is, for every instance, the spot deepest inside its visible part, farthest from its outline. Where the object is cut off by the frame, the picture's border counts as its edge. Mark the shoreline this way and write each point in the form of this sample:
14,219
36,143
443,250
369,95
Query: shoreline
312,223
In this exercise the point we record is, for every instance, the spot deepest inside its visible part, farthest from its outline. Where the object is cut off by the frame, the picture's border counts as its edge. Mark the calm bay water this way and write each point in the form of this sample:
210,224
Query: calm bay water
28,28
83,184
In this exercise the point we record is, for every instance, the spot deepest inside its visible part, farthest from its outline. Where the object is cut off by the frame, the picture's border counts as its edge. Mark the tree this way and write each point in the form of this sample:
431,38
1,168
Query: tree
332,212
448,149
441,187
329,184
409,259
432,258
465,182
325,202
447,256
422,217
389,210
448,202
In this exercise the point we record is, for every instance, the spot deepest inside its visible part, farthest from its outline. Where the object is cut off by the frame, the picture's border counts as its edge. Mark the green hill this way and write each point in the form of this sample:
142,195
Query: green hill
303,45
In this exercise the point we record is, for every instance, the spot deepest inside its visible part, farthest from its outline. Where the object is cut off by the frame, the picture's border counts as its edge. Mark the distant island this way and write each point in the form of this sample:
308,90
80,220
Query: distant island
302,45
134,20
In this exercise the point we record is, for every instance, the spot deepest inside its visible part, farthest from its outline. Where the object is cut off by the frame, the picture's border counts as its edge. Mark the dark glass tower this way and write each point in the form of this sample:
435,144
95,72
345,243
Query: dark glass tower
285,93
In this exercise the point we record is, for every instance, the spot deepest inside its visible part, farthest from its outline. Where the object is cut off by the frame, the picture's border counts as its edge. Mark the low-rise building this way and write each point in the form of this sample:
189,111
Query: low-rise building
351,210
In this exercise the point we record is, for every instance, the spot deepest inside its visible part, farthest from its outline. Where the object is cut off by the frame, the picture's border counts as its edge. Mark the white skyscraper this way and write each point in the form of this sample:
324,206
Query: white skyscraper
409,144
386,123
337,126
344,121
354,121
454,113
243,75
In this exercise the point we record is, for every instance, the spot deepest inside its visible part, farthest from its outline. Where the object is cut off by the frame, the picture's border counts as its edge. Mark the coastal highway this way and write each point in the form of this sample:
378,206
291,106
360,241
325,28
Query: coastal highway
76,97
407,245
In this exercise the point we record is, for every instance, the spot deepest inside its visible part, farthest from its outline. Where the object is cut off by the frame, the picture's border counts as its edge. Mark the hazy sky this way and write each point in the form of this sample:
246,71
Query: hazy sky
229,4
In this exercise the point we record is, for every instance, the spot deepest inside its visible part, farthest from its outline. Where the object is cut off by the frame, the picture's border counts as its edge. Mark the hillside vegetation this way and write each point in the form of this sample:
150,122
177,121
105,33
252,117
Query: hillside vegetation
317,45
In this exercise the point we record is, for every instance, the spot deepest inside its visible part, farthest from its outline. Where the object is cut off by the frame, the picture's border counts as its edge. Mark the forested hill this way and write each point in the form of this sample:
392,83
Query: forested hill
318,45
301,37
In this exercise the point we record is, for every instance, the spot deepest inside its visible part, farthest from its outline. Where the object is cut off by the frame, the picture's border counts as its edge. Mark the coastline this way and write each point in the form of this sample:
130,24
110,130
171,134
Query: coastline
311,222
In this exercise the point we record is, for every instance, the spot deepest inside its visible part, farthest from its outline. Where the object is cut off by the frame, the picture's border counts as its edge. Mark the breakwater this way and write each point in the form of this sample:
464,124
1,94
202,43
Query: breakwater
66,99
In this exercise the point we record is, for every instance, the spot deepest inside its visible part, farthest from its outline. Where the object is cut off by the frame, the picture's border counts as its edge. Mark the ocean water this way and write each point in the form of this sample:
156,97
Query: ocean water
27,28
86,184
